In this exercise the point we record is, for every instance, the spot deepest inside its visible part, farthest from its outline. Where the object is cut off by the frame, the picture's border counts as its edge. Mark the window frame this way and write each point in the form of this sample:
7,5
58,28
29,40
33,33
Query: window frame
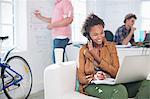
20,27
10,42
79,18
145,18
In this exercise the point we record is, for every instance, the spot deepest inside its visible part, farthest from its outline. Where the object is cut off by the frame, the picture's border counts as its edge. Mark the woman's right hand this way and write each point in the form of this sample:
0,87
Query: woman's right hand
90,45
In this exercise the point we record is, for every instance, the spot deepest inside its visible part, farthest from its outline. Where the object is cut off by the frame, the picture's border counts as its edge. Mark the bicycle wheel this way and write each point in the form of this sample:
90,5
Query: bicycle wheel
22,89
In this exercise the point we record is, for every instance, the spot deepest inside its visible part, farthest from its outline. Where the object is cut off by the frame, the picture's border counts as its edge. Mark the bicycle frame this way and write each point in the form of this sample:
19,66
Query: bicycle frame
5,67
12,82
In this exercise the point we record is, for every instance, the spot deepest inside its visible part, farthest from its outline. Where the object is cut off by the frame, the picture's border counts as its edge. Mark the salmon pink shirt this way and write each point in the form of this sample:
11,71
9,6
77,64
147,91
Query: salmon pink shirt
62,9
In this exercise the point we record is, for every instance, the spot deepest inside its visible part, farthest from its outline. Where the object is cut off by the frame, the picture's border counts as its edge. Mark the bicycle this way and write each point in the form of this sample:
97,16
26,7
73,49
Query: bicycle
16,76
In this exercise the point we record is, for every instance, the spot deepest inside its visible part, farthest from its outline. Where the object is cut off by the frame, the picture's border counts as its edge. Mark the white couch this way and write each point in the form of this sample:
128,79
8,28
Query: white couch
59,82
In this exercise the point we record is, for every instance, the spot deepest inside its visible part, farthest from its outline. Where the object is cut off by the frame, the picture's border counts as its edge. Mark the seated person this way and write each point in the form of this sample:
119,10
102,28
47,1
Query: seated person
98,59
125,33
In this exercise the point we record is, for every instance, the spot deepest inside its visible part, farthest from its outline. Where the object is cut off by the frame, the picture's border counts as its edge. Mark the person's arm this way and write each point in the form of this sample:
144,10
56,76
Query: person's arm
112,69
83,78
128,38
95,55
37,13
65,22
93,52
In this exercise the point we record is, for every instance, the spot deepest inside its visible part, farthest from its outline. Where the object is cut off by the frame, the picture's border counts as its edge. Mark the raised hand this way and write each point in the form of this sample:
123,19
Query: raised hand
90,45
37,13
133,29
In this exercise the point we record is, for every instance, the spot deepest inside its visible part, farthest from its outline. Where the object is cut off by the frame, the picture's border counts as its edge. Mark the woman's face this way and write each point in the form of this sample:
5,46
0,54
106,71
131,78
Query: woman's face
97,34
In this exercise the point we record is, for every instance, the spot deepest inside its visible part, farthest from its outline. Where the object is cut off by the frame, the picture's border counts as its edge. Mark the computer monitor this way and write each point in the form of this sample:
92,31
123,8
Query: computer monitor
146,41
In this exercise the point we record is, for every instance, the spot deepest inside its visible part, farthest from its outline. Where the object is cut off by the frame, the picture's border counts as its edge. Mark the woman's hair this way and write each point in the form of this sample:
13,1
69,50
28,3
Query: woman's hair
91,21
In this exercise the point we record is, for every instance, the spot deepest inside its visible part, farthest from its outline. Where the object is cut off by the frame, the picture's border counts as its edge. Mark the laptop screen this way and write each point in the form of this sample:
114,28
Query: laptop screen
147,37
147,40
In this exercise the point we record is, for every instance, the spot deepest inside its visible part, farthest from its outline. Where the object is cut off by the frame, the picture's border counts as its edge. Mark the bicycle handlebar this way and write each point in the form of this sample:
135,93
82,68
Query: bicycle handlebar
3,37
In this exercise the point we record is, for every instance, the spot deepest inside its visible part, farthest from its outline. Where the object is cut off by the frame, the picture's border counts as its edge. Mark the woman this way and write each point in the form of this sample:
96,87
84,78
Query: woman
98,60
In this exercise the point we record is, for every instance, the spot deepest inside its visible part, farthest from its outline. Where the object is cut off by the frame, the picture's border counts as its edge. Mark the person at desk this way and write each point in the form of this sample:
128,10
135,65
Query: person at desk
125,33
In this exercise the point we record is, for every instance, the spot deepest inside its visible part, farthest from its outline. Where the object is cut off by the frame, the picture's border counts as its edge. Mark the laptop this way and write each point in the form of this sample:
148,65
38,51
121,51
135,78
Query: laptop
146,41
147,37
133,68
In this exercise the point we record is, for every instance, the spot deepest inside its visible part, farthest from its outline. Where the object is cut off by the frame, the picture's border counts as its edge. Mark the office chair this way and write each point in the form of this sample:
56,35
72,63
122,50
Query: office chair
109,35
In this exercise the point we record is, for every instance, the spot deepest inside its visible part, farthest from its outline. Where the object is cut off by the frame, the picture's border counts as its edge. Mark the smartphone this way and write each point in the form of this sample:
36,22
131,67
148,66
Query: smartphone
89,39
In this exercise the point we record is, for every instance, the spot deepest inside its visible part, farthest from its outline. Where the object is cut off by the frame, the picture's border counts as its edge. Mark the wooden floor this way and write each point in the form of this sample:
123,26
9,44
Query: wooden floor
38,95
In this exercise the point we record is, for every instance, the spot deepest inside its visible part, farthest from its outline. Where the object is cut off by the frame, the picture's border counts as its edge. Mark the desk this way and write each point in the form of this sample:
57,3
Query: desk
73,52
122,52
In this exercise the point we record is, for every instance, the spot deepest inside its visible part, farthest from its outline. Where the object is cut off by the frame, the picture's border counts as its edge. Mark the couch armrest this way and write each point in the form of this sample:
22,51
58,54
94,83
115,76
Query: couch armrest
59,79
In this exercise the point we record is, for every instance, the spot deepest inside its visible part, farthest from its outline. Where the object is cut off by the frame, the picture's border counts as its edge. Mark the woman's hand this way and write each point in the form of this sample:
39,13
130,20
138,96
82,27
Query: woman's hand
90,45
89,78
100,75
94,51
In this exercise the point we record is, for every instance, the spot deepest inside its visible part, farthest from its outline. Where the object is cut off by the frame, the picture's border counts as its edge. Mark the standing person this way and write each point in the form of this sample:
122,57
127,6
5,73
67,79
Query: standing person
59,23
125,33
98,59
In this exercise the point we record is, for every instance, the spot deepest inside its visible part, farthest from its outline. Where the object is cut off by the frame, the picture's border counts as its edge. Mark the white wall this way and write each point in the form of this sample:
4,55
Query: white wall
34,39
39,40
114,11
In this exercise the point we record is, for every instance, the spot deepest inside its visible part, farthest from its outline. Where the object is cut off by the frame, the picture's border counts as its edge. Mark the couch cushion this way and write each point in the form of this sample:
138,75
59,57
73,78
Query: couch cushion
77,95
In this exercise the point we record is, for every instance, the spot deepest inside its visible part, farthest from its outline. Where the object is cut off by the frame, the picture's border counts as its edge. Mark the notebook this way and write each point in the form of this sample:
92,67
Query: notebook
133,68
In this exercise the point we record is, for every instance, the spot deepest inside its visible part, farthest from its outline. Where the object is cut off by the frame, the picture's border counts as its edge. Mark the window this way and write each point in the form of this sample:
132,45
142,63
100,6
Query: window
13,23
145,6
79,17
7,21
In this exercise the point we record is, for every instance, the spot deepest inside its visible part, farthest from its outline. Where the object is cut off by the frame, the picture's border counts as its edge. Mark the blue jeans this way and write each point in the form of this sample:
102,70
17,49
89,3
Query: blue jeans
59,43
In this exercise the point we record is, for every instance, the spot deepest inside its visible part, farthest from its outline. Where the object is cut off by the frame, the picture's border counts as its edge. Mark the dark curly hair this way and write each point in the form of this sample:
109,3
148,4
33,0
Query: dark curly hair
91,21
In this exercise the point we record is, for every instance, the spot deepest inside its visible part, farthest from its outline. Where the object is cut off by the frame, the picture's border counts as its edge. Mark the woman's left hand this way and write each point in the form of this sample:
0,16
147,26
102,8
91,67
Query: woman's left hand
89,78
